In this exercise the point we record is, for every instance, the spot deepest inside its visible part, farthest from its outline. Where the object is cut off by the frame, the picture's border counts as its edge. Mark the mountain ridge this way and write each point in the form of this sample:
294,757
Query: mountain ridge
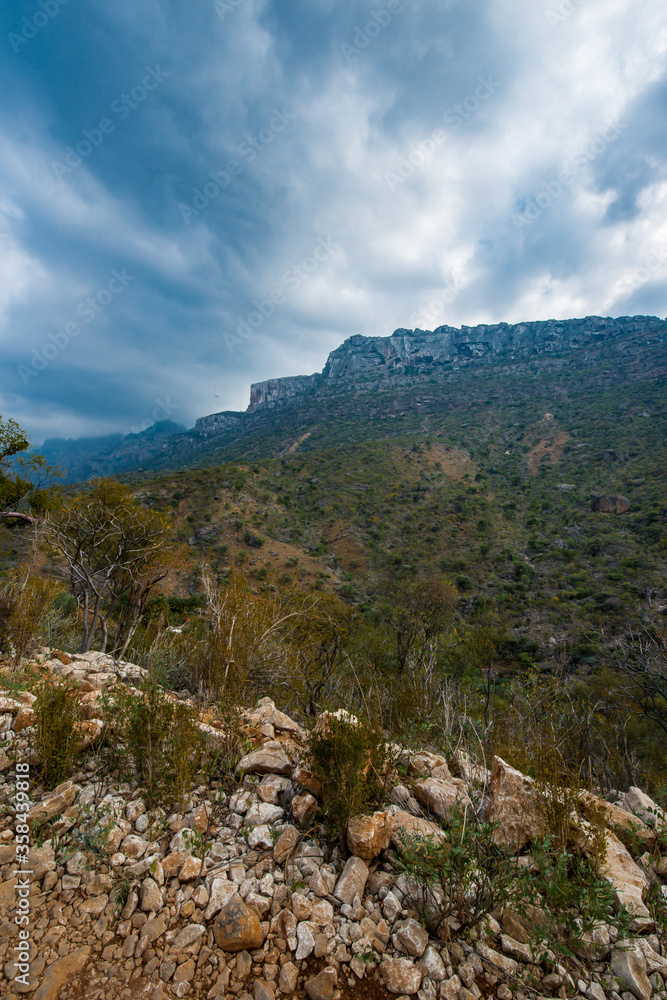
375,377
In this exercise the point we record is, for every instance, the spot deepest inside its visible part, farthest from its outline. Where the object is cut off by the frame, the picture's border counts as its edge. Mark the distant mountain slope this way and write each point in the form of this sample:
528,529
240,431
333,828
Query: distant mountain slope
375,387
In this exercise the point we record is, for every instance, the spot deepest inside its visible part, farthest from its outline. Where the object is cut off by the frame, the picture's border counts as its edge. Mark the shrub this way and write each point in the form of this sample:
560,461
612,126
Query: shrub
351,760
161,738
26,604
57,740
462,876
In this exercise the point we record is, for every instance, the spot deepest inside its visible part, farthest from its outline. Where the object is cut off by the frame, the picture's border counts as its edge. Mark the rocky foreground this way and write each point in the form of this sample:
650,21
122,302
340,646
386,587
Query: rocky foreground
240,896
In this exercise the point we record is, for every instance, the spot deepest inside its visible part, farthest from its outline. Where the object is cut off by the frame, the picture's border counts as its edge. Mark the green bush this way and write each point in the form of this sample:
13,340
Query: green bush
57,738
161,738
351,760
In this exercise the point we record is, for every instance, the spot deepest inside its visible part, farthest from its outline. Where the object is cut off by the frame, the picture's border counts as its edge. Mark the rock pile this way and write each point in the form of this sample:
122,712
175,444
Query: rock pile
235,896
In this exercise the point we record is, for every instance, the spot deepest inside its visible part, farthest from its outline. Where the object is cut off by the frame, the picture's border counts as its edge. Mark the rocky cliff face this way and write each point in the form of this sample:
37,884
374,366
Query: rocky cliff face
410,352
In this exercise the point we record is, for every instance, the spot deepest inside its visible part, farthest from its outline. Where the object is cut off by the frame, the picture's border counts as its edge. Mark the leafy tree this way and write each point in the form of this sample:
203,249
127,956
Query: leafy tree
641,660
114,551
420,612
24,481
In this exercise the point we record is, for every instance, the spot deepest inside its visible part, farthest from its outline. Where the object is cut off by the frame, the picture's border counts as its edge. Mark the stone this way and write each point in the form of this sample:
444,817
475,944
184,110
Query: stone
301,906
368,835
185,973
133,846
221,892
404,823
441,797
432,965
285,844
305,940
260,837
303,807
287,980
514,805
150,897
150,932
516,949
53,806
628,964
303,776
400,976
237,927
273,788
322,913
413,937
263,990
262,813
644,806
61,973
323,985
496,960
189,935
609,503
620,870
191,868
270,758
352,881
391,907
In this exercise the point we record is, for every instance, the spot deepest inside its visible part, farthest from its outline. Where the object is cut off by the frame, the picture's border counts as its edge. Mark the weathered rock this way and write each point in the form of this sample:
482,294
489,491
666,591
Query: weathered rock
237,927
191,868
644,806
621,871
498,961
61,973
150,897
262,813
287,980
368,835
514,805
285,844
352,881
413,937
189,935
400,976
303,807
432,965
441,797
53,806
221,892
323,985
413,826
609,503
305,936
273,788
270,758
260,837
628,963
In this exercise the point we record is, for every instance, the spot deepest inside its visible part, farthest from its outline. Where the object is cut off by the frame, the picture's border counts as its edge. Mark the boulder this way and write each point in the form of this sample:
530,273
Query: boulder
626,877
62,973
414,826
237,927
400,976
515,805
643,806
628,964
441,797
270,758
352,881
323,985
609,503
368,835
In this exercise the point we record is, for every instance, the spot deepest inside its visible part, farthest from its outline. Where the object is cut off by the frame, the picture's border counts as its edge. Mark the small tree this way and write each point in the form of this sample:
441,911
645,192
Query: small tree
25,482
641,661
114,552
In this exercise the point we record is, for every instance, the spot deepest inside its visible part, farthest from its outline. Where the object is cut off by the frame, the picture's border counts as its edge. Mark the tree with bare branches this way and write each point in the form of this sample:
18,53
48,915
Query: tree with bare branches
640,658
114,552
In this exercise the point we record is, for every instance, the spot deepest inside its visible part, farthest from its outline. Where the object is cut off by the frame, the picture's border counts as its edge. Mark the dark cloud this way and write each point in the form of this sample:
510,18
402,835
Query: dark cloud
208,150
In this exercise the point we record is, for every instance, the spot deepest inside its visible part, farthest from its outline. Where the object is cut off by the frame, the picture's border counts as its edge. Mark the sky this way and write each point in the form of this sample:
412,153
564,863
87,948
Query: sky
200,194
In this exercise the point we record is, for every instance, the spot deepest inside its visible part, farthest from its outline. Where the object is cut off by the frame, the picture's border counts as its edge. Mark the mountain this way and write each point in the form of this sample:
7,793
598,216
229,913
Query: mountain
370,382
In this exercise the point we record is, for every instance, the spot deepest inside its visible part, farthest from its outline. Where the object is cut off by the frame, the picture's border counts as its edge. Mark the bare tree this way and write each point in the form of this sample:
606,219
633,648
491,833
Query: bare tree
114,553
641,659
